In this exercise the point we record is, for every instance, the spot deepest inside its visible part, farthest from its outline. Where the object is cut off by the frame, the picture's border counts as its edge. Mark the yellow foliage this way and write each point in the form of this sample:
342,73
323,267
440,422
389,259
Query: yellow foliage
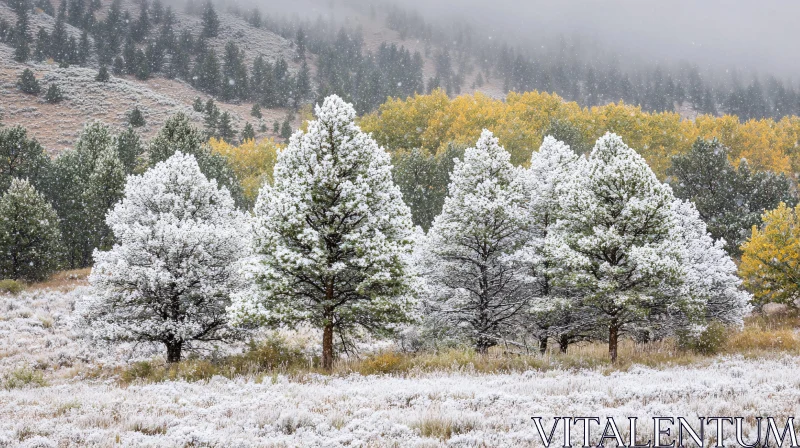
251,161
770,263
432,121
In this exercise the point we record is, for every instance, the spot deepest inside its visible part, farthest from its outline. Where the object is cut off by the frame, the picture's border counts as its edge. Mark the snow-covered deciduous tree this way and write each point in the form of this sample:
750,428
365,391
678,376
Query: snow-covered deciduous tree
476,280
29,236
614,240
333,235
170,275
710,279
556,310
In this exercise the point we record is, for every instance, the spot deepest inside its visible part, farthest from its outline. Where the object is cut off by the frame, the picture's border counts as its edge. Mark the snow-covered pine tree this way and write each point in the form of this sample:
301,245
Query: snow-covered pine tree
710,279
29,235
332,235
556,310
169,277
614,240
477,281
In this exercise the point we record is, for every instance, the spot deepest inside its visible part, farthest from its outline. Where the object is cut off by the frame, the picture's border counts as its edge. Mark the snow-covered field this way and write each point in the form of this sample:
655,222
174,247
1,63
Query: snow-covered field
457,408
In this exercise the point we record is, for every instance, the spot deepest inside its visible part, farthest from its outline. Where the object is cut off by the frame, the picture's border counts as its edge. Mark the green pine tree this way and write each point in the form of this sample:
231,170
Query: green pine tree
179,135
225,128
210,21
198,105
29,235
71,172
105,186
102,74
211,118
129,149
248,133
286,129
22,48
256,111
22,157
119,66
136,118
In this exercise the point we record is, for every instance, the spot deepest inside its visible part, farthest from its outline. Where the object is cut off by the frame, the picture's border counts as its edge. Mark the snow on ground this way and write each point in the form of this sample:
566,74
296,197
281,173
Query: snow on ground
459,408
481,410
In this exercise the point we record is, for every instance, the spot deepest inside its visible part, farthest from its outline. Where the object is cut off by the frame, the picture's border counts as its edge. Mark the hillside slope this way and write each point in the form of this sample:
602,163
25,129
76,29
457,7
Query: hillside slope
57,126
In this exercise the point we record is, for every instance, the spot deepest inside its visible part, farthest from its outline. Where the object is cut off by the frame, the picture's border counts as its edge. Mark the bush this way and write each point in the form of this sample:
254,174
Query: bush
23,377
11,286
28,83
385,362
54,94
710,341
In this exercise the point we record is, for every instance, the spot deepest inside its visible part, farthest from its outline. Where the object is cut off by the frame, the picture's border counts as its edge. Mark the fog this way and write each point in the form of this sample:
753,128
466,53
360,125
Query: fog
760,36
752,36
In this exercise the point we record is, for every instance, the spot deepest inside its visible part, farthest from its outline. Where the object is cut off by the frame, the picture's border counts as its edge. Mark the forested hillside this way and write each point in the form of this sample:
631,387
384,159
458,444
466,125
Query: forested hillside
263,64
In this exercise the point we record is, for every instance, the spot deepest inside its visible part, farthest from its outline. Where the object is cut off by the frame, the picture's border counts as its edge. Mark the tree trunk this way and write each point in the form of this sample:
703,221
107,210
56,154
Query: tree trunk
543,345
174,351
327,347
563,344
613,336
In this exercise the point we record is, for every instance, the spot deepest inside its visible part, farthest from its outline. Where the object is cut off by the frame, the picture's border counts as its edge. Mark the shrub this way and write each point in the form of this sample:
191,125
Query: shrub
435,425
23,377
712,340
54,94
11,286
385,362
28,83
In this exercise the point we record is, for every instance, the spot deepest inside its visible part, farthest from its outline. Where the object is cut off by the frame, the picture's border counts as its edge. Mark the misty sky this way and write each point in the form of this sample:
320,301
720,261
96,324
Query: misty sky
759,35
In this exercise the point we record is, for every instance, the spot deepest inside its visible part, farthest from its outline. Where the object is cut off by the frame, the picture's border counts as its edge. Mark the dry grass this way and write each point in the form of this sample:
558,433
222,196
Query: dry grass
762,337
64,281
438,425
